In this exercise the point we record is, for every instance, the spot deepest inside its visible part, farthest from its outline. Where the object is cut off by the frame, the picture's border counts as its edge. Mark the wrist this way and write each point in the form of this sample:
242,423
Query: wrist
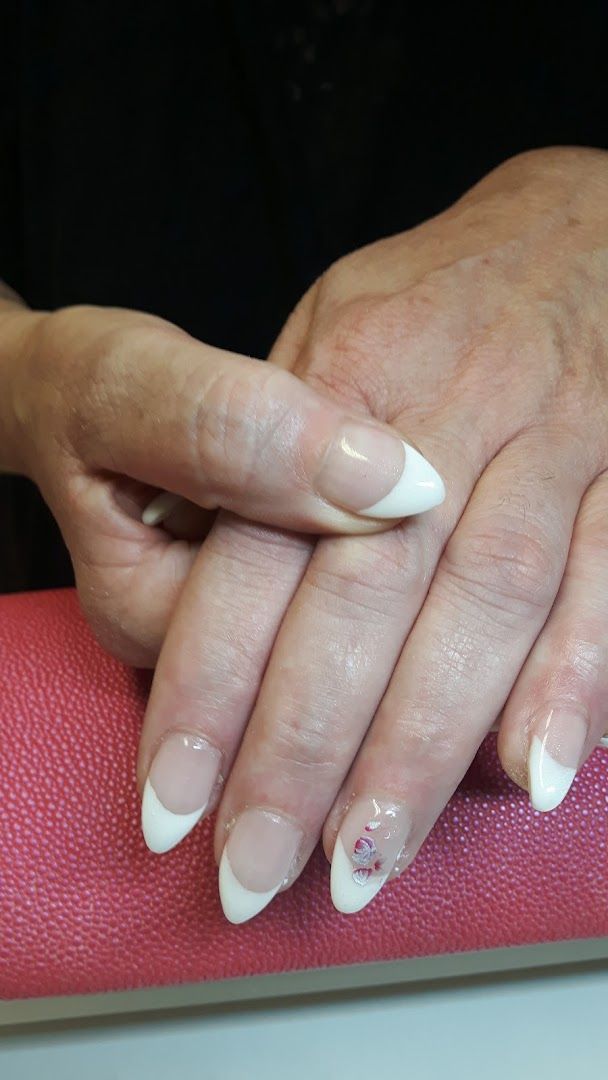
17,327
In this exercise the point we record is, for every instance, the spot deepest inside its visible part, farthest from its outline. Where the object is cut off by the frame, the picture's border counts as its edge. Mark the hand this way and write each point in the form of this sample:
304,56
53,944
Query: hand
482,336
102,406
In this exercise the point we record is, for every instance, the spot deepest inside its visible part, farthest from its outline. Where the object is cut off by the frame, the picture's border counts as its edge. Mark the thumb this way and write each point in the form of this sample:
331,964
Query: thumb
226,431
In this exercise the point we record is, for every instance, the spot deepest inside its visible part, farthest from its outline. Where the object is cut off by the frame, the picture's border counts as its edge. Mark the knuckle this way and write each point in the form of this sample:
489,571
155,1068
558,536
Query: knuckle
503,566
346,358
576,664
249,546
428,736
236,421
369,579
73,363
358,347
62,334
304,749
217,688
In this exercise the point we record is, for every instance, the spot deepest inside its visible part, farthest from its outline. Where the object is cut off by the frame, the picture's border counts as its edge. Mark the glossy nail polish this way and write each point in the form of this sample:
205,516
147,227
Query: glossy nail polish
378,475
181,780
557,740
371,839
256,861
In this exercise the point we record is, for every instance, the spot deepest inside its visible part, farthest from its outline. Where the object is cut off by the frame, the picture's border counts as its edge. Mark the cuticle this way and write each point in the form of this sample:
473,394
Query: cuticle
297,860
265,810
166,735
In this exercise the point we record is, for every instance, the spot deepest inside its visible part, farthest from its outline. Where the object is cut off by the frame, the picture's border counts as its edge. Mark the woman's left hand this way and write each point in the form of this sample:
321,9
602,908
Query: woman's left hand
483,337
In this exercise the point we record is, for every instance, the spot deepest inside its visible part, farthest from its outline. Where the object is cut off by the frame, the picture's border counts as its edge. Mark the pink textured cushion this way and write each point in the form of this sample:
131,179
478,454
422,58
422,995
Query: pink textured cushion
85,907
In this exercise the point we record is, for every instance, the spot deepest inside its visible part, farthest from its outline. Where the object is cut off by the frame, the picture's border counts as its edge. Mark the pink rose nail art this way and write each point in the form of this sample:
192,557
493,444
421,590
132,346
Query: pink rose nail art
373,833
363,851
365,857
361,875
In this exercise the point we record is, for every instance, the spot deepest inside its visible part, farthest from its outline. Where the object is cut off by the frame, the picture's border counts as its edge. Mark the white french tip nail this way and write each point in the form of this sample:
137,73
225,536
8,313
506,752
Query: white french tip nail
603,741
160,507
348,896
550,781
419,488
162,828
240,904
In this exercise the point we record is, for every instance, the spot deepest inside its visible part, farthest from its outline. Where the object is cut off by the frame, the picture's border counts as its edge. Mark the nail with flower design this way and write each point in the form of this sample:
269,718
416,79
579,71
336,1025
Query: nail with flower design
371,837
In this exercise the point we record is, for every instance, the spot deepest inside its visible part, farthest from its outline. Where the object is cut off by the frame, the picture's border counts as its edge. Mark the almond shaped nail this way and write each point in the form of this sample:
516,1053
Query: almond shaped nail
558,737
256,861
419,488
181,780
371,838
163,829
376,474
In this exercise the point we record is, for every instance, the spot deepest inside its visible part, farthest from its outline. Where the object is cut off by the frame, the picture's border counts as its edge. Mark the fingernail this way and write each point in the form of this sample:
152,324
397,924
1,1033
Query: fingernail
368,845
179,786
557,740
256,861
378,475
160,507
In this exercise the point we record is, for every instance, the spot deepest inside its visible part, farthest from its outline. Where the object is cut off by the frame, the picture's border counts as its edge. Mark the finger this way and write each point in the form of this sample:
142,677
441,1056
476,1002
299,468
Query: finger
226,431
493,589
128,576
556,712
337,645
209,671
330,664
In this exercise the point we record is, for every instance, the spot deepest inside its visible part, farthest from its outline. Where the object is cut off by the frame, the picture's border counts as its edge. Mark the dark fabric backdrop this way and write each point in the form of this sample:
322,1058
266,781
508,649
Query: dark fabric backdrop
206,160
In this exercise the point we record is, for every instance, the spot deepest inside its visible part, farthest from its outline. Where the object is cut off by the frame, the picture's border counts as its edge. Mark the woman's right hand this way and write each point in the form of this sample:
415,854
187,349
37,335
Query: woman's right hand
102,407
481,335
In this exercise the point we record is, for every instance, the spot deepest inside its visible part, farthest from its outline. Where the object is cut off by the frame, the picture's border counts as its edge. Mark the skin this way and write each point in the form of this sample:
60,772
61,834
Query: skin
103,407
482,337
363,664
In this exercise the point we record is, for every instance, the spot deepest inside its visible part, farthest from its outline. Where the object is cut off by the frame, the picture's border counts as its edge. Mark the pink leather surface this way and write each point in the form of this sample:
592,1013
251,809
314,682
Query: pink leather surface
85,907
